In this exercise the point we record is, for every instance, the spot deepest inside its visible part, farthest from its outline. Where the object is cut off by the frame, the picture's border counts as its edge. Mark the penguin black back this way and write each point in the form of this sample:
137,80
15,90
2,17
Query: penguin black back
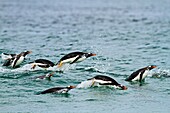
105,78
44,61
52,90
58,90
70,55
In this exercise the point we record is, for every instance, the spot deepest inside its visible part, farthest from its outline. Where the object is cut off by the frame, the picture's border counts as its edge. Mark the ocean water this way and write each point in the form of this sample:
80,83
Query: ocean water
126,35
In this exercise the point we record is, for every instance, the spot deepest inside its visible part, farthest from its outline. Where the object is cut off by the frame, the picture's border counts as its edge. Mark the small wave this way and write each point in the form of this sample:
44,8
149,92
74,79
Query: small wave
91,99
95,69
2,70
91,69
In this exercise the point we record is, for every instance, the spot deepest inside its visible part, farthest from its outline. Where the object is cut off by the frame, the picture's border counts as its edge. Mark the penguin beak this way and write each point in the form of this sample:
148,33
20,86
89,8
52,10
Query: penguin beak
71,87
124,88
52,74
29,52
93,54
154,66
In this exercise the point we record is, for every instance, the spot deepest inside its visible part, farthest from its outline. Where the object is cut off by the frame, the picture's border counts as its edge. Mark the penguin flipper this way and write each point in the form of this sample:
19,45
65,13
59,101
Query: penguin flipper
130,78
76,59
15,61
7,62
133,75
141,75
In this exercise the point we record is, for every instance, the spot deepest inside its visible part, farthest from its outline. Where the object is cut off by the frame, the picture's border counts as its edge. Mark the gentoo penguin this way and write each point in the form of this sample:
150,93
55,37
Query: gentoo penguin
6,56
140,74
58,90
106,81
74,57
47,77
16,60
43,63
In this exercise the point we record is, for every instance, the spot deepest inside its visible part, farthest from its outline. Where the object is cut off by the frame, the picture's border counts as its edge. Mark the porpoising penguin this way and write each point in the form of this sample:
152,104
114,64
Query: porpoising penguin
140,74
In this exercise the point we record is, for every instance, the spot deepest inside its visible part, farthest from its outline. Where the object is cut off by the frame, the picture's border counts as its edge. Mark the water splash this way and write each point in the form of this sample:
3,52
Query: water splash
27,68
85,84
3,70
161,73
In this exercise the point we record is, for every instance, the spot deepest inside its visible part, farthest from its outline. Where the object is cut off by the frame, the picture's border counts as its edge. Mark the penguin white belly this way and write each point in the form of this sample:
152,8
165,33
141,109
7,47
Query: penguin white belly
62,91
99,82
20,60
70,60
81,59
137,77
145,74
102,81
41,64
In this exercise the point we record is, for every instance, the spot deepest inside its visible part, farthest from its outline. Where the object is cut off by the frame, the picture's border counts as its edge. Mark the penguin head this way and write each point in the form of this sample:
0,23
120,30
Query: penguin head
89,54
151,67
123,87
49,75
71,87
25,53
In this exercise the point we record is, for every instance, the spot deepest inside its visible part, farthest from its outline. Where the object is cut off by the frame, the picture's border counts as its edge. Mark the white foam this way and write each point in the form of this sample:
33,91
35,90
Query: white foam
4,70
66,67
162,72
85,84
27,67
